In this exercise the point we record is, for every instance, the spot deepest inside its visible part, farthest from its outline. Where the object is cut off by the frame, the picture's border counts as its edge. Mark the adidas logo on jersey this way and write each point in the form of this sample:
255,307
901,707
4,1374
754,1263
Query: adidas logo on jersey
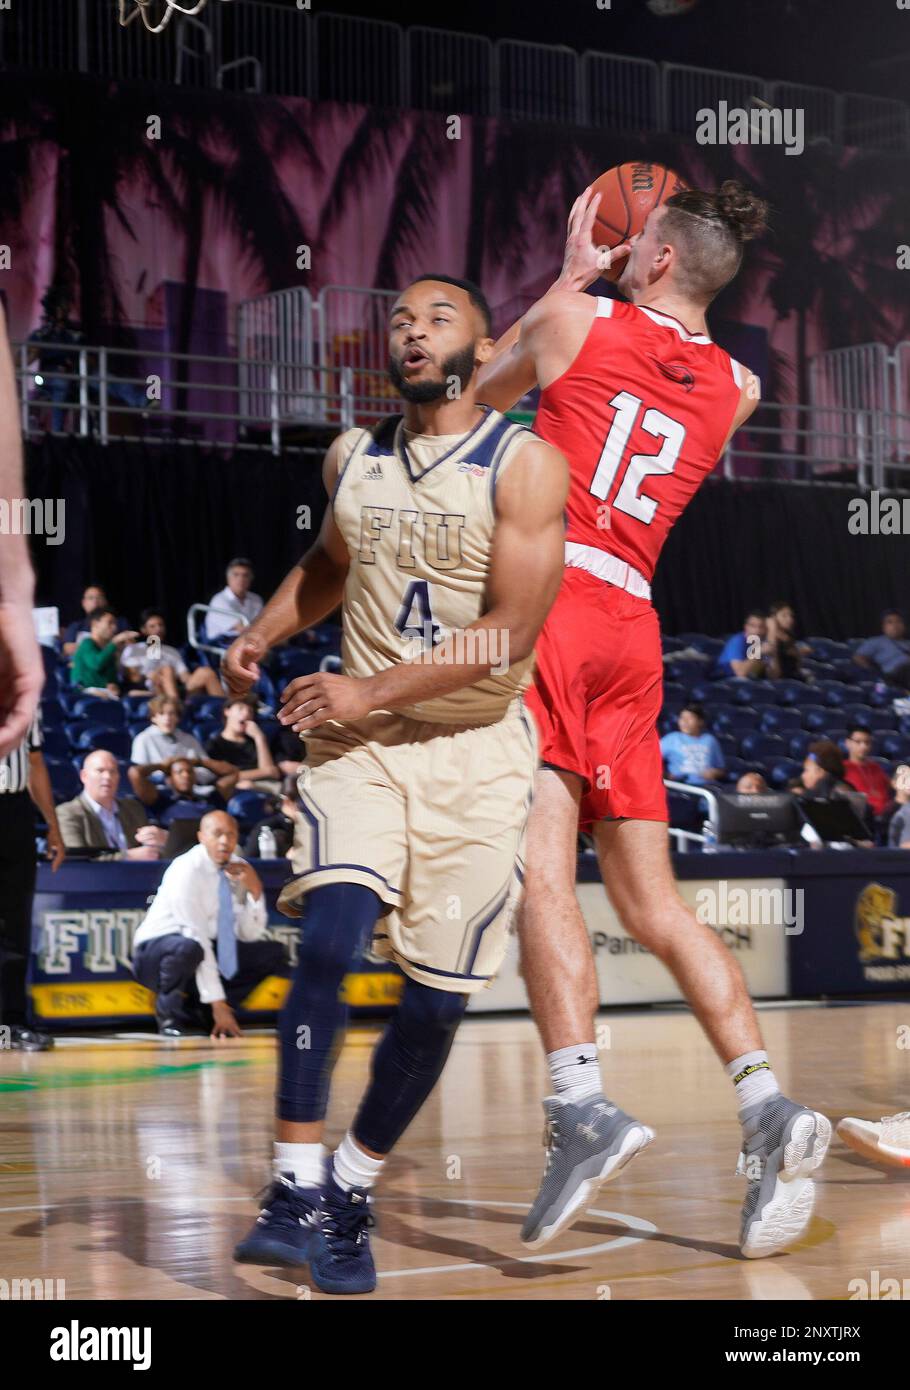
373,473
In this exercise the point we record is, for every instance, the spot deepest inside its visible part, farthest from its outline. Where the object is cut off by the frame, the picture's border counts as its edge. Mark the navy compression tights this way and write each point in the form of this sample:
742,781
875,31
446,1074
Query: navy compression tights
412,1051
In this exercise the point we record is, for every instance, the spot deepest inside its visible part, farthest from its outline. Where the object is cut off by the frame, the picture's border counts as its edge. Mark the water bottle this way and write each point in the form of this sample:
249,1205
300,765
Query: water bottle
266,843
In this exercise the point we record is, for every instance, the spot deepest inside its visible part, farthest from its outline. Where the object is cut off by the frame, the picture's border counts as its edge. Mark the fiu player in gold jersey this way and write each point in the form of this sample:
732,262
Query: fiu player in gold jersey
443,539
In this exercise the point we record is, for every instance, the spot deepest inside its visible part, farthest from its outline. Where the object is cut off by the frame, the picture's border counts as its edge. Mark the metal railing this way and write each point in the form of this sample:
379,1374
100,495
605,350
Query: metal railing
189,398
339,379
288,51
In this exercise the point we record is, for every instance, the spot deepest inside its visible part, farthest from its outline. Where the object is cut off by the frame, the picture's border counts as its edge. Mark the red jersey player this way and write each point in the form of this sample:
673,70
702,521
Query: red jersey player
642,403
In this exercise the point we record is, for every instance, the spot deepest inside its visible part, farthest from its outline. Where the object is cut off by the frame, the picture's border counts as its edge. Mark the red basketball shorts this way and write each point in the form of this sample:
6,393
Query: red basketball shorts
597,696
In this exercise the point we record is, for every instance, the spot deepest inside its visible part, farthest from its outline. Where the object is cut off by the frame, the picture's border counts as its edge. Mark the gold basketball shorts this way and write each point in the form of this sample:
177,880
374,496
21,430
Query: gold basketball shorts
431,817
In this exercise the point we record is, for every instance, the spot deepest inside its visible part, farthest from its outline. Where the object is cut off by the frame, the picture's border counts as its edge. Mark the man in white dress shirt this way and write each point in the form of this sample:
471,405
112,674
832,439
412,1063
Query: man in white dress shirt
204,938
233,603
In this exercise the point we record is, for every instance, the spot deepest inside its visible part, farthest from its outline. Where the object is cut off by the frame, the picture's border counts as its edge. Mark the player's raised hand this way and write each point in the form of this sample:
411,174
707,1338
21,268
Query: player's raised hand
584,260
240,664
309,701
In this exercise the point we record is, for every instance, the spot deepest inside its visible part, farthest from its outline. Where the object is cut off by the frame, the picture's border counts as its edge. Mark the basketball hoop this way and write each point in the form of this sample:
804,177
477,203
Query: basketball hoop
130,9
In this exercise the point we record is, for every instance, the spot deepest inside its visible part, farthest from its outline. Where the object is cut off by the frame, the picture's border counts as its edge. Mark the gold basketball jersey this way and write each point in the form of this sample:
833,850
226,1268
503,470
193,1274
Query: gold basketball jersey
417,514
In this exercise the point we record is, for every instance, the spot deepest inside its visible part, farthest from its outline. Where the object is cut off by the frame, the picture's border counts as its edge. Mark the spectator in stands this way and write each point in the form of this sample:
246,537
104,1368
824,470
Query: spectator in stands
899,827
233,603
823,777
751,784
288,752
743,654
179,795
204,941
889,653
156,747
93,597
96,820
782,649
153,665
242,744
692,755
869,777
95,663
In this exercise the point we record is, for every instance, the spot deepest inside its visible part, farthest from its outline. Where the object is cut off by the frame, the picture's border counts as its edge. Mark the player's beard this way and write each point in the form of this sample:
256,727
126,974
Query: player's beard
457,367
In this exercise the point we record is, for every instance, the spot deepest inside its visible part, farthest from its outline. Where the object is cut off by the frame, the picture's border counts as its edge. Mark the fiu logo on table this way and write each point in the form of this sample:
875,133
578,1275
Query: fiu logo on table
436,536
883,935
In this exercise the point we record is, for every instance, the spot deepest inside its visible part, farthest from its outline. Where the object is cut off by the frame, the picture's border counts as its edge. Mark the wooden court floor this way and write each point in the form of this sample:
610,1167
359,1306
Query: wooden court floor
129,1170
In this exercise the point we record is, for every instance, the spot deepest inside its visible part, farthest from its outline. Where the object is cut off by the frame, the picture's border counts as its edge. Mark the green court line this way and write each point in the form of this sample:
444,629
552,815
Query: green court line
63,1080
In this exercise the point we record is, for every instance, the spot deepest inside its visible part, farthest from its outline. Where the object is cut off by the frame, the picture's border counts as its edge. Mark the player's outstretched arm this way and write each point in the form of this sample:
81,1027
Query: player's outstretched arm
313,589
526,568
539,347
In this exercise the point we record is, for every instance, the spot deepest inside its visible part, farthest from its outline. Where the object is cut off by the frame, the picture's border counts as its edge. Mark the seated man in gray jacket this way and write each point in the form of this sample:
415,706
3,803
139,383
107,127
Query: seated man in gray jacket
96,820
205,940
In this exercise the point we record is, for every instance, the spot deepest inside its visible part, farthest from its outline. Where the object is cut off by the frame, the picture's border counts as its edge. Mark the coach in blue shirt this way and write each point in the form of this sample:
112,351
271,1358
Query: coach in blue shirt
692,755
889,654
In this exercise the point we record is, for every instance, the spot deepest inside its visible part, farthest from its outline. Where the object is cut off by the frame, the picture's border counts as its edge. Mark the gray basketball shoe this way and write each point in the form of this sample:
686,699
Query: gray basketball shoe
782,1144
587,1145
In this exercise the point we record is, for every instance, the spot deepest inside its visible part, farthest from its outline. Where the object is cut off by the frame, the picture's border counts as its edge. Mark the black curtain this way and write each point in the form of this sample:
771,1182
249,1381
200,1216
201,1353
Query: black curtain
740,544
158,525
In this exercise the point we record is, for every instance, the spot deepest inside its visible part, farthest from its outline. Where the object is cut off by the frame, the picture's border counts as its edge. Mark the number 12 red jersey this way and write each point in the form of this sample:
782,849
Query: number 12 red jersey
641,415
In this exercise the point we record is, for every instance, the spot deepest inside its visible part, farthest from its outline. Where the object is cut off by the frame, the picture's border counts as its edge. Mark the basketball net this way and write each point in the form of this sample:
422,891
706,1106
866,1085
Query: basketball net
131,9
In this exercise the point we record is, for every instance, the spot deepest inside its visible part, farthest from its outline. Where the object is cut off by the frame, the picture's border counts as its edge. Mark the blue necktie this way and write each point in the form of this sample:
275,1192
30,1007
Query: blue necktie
227,938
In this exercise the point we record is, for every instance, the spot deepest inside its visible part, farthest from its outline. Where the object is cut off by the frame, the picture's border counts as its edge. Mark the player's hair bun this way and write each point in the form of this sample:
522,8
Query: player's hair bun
744,212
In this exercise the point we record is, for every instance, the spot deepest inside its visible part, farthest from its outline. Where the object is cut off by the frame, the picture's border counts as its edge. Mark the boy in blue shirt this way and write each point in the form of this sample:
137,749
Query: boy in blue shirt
692,755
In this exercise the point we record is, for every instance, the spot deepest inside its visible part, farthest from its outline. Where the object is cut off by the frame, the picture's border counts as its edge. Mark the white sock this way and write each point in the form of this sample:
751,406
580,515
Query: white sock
305,1161
753,1079
352,1167
575,1072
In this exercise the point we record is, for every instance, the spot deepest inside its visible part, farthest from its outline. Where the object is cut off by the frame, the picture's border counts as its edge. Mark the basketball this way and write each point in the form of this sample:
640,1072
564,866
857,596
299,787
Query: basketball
628,193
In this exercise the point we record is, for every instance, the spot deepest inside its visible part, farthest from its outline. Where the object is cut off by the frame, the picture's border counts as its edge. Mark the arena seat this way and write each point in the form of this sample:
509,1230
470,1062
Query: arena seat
65,783
789,692
56,743
95,736
872,718
52,712
701,642
687,671
882,695
291,662
248,807
816,717
764,747
894,745
833,693
734,718
755,693
798,745
729,744
776,718
95,708
721,691
826,648
783,770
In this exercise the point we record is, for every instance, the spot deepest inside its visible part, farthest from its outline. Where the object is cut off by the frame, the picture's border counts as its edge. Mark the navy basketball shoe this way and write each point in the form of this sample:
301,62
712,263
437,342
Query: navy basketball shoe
340,1256
285,1228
